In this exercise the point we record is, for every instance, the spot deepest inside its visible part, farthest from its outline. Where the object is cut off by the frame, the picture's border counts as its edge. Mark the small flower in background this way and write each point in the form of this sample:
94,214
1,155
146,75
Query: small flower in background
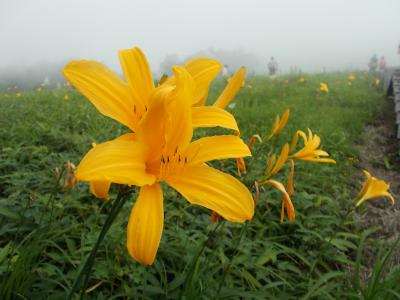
323,87
18,94
376,82
39,89
310,151
302,79
66,97
372,188
279,124
351,77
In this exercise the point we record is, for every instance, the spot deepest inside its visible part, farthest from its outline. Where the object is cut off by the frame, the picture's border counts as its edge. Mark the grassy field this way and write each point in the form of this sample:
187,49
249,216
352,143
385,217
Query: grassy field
47,231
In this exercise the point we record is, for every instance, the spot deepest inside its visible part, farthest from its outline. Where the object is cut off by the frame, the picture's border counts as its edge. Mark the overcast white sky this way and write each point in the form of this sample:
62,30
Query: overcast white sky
311,34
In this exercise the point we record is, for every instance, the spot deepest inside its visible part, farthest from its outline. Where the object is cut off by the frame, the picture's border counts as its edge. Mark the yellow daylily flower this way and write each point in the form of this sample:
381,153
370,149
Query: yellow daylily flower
161,151
377,82
128,101
323,87
310,151
351,77
302,79
373,188
279,124
66,97
18,94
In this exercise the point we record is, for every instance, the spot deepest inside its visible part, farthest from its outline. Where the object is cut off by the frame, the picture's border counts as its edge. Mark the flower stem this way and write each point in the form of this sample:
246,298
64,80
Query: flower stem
333,235
222,281
195,259
85,271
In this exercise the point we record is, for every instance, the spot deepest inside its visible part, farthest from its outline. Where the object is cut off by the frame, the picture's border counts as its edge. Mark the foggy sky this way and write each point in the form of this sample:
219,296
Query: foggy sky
311,34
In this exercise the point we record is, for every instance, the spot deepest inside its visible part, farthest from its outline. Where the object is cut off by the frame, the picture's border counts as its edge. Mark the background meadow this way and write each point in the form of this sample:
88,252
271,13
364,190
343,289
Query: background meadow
47,230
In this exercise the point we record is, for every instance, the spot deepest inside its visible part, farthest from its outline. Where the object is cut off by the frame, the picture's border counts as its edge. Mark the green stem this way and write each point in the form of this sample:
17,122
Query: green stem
222,281
50,201
195,259
333,235
87,267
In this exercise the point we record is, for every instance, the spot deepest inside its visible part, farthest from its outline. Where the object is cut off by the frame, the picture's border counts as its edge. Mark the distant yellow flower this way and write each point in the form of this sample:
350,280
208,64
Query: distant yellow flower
351,77
373,188
302,79
310,151
323,87
279,124
160,149
18,94
66,97
377,82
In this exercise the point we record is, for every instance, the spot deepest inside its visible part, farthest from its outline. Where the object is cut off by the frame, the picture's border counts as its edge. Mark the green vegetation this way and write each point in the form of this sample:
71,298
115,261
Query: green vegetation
47,231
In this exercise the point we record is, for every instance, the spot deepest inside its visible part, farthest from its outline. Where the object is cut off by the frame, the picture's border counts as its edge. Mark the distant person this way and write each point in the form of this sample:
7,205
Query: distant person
373,64
382,64
272,66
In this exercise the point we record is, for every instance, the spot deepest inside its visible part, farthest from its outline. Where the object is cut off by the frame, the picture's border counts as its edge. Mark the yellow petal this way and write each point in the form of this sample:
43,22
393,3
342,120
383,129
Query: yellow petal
116,161
107,92
290,182
138,74
283,121
231,89
320,160
100,189
203,71
127,137
152,126
179,128
295,140
208,116
216,147
365,185
146,224
215,190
